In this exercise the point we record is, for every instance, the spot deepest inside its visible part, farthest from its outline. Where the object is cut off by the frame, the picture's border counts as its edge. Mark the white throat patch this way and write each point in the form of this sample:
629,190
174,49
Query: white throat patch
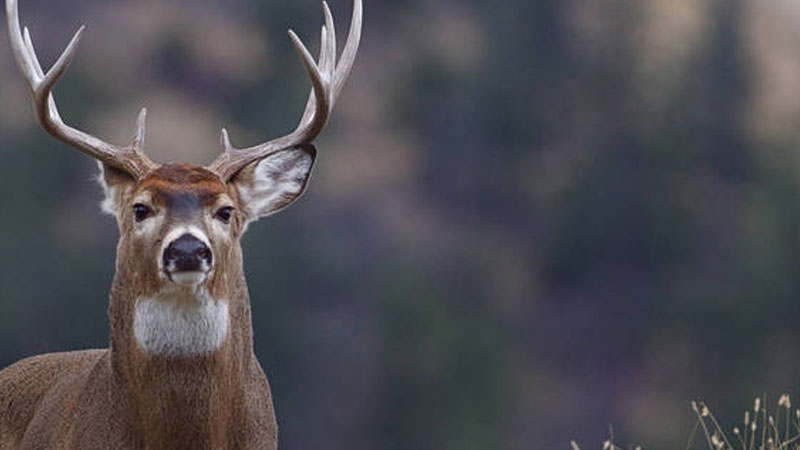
180,327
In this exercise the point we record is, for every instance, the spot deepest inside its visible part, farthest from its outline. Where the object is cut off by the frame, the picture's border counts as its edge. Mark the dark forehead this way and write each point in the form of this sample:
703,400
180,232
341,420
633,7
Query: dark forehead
172,181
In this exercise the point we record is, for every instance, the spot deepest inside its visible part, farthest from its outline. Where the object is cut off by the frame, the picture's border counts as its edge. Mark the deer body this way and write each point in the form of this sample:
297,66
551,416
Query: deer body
180,371
83,407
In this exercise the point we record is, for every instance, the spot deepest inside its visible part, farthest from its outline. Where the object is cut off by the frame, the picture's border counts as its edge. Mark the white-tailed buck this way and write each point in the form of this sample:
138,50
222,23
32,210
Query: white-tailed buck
180,372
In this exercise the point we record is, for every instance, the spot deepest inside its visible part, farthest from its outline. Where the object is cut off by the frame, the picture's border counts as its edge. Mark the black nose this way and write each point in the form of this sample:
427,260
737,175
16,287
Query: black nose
187,253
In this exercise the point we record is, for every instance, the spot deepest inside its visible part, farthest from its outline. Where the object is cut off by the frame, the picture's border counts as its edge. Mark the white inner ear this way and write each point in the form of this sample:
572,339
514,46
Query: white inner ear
274,182
115,186
109,203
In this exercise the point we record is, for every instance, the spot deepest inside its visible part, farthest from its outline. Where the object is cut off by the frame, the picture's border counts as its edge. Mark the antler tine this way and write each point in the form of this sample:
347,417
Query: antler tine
141,130
327,57
320,83
348,58
327,80
32,52
329,50
41,83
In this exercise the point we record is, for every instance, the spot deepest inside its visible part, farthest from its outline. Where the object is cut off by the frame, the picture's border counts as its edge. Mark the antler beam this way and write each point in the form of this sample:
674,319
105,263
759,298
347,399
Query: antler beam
40,84
327,80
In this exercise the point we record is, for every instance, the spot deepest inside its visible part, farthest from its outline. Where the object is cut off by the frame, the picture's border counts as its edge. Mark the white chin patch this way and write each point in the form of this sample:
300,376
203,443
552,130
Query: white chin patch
179,327
188,278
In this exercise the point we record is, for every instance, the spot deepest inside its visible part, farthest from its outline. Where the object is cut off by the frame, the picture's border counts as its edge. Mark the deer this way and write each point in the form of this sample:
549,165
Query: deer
180,370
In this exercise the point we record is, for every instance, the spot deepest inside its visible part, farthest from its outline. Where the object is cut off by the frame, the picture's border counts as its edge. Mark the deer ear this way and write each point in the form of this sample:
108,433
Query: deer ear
272,183
114,183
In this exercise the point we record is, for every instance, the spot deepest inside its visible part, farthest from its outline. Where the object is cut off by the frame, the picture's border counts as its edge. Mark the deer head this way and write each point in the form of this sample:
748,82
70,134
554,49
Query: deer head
180,224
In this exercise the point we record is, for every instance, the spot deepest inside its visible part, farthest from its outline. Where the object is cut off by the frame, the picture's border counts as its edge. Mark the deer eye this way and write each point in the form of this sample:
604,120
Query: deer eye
141,212
224,214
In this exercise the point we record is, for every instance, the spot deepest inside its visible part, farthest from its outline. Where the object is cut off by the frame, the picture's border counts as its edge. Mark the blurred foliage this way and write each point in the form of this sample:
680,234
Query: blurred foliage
529,218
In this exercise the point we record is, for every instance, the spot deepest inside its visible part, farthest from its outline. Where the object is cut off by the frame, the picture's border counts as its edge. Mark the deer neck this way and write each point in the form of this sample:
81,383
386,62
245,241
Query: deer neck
180,357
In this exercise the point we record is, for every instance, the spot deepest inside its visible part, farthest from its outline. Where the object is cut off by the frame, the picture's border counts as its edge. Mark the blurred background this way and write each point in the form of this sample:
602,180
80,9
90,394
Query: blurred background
529,219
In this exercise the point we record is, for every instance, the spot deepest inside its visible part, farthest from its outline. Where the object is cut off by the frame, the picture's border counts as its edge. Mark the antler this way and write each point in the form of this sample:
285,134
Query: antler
327,80
130,159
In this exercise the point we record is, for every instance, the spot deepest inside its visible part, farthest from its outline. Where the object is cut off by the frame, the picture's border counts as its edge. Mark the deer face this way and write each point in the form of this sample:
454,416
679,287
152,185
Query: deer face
179,224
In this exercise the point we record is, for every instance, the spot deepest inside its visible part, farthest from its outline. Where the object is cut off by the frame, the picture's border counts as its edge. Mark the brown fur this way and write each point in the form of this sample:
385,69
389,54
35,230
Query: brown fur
123,398
171,179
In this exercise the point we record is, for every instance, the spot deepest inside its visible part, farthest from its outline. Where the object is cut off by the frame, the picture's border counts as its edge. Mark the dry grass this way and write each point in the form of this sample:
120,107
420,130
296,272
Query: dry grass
760,429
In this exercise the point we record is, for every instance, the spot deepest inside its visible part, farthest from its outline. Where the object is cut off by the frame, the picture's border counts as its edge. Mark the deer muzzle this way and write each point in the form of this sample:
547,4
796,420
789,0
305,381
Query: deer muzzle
187,260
